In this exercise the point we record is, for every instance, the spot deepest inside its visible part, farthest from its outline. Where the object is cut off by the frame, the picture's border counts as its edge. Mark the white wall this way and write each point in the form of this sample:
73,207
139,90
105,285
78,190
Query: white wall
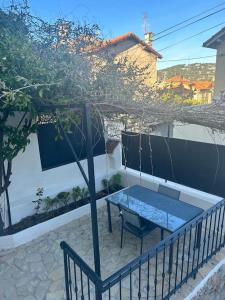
27,176
198,133
191,132
220,72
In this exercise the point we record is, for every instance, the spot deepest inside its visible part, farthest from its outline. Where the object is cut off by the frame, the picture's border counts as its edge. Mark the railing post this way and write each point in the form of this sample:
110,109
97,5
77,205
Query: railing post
66,275
98,293
91,187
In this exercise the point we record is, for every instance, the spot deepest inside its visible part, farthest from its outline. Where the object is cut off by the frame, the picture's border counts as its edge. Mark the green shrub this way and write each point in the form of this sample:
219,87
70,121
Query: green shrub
79,193
63,198
105,183
116,180
49,203
84,193
76,193
112,184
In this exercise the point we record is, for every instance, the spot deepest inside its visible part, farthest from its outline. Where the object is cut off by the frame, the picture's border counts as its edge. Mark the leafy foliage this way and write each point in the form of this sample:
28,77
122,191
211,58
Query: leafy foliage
49,203
84,193
43,65
76,193
39,200
37,67
79,193
112,184
63,198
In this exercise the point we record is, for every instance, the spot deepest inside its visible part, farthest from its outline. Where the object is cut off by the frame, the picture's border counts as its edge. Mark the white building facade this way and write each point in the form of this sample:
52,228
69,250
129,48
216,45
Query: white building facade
217,42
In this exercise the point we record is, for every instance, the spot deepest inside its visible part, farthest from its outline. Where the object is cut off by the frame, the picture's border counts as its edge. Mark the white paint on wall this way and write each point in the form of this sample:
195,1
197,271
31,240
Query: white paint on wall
27,176
197,133
190,132
220,72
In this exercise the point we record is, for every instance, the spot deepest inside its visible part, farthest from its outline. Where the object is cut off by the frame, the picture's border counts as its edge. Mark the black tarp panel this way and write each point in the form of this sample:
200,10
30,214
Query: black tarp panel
194,164
56,152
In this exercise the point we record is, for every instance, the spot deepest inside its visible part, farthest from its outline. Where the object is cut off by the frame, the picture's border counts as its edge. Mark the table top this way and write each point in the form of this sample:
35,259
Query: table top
164,211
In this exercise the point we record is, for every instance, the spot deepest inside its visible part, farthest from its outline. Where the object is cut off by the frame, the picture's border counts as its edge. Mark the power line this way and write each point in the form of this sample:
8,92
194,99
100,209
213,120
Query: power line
189,24
190,37
189,19
184,59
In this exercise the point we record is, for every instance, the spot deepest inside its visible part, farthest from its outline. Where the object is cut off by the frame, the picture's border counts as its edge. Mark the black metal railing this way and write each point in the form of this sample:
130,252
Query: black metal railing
158,273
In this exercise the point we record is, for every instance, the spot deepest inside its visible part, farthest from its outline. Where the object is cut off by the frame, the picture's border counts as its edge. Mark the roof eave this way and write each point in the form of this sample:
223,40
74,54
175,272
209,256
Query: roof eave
146,47
153,52
215,40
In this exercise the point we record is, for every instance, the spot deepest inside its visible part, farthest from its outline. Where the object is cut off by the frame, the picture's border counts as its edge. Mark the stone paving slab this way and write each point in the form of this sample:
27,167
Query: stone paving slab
35,271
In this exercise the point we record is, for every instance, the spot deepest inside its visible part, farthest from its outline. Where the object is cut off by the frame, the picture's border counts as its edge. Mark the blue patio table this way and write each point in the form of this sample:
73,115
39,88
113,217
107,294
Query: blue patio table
167,213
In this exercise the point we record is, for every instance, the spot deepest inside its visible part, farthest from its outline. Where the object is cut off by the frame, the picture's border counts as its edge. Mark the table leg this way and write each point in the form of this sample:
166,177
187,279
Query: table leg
109,217
171,259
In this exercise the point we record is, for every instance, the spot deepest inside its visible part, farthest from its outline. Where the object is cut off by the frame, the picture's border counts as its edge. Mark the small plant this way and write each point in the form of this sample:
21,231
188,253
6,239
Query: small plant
79,193
84,193
112,184
76,194
38,201
105,183
116,180
63,198
49,203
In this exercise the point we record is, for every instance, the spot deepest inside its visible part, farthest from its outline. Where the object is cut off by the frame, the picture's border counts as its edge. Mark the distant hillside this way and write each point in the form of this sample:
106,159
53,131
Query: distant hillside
197,71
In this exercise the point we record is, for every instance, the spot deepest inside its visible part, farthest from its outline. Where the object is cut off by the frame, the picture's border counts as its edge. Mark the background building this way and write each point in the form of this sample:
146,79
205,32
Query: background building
217,42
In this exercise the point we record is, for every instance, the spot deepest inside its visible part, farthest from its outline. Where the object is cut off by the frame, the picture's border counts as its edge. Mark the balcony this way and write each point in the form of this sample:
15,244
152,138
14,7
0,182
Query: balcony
36,270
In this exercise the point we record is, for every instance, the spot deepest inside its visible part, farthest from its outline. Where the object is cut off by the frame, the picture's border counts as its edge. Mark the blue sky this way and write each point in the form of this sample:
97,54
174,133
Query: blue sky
117,17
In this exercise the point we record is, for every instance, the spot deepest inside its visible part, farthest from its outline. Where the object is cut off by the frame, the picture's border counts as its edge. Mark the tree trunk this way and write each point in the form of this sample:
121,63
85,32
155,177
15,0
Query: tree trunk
1,178
5,182
4,177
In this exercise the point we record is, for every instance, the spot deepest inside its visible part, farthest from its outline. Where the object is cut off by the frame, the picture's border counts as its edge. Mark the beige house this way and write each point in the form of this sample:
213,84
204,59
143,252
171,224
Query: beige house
130,47
217,42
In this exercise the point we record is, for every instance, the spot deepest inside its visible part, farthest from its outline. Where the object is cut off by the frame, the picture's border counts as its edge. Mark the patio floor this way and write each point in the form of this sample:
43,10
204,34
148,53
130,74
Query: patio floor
35,271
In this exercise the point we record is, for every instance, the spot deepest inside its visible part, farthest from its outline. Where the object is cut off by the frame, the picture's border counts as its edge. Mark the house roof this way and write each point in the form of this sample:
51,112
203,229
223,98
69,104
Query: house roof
198,85
202,84
179,79
124,37
215,40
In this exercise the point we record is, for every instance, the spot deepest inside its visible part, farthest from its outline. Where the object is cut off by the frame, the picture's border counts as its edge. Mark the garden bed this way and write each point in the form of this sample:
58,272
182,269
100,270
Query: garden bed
35,219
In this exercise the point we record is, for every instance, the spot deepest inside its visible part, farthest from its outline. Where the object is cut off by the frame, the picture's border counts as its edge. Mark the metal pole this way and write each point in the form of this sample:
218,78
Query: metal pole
91,175
7,199
66,275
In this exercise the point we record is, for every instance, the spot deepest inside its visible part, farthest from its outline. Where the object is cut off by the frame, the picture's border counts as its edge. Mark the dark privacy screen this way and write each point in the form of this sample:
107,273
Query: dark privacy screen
194,164
54,153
